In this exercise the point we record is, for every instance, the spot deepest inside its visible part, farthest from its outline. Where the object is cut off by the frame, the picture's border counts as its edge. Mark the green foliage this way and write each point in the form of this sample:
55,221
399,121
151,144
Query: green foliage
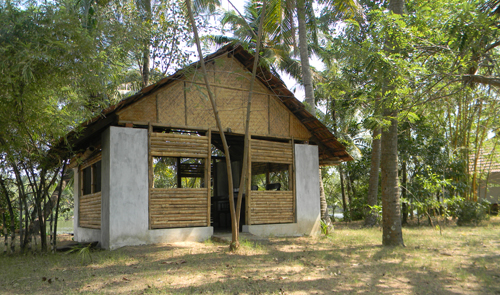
83,253
469,212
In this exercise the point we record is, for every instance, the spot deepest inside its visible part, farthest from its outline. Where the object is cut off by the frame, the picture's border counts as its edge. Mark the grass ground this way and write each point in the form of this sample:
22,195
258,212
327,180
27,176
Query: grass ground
463,260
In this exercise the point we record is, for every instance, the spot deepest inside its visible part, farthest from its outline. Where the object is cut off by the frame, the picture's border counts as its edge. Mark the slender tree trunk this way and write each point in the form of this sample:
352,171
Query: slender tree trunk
342,189
371,218
405,203
304,58
244,176
5,234
391,208
11,214
350,193
234,225
322,198
146,50
391,211
61,187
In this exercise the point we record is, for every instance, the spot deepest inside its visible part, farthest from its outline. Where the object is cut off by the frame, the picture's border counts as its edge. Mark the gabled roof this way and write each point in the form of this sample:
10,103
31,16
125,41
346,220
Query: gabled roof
488,158
331,151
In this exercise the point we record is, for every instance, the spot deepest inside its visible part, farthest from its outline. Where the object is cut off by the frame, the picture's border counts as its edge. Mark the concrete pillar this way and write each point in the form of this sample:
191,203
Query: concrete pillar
124,187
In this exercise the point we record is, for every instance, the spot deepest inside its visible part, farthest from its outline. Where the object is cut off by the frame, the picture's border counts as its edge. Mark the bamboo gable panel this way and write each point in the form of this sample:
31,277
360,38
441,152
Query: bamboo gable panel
259,117
297,129
232,108
178,145
279,120
199,109
143,110
171,105
182,207
271,152
270,207
231,102
89,211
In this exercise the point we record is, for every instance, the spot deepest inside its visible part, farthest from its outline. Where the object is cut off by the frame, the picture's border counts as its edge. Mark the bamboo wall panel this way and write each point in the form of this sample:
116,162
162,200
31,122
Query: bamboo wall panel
89,211
143,110
230,72
231,102
279,121
183,207
232,108
171,107
259,118
271,152
269,207
186,103
178,145
199,108
297,129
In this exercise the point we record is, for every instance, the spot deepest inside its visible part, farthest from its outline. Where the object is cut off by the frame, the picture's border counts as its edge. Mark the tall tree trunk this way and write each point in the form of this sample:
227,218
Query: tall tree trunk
372,216
391,211
234,225
59,192
304,58
244,176
146,6
322,198
391,208
11,214
405,203
342,189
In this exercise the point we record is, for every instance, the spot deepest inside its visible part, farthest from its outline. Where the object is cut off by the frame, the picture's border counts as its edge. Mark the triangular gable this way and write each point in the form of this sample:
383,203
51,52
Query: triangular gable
185,103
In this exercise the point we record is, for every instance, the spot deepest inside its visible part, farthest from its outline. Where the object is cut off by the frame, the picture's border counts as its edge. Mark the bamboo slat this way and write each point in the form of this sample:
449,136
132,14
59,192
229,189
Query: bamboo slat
271,152
208,171
89,211
179,145
271,207
179,207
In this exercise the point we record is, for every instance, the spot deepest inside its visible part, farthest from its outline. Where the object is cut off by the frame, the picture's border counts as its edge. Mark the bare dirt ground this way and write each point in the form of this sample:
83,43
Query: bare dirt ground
463,260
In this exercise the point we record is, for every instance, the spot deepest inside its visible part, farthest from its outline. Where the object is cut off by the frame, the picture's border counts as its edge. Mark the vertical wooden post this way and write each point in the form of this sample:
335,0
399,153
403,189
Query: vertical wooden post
157,111
185,106
208,176
179,179
269,115
80,170
291,180
268,167
248,220
92,189
150,173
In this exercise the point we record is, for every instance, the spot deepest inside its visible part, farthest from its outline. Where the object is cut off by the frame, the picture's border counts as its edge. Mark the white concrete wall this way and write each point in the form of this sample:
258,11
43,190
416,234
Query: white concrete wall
128,186
307,198
81,234
125,194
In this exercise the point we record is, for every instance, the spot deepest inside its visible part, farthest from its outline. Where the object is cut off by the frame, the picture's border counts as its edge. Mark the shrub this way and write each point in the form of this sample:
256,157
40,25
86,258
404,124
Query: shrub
469,212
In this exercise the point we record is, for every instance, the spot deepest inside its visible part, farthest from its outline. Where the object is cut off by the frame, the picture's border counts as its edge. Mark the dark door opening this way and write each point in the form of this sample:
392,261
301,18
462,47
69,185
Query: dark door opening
220,215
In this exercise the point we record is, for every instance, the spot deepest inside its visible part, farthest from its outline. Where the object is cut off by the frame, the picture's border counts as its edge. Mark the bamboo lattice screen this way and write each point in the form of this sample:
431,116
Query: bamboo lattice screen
270,207
179,207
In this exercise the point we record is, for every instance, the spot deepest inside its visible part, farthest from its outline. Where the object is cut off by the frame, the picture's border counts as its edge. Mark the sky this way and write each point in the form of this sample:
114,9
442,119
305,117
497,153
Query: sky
291,83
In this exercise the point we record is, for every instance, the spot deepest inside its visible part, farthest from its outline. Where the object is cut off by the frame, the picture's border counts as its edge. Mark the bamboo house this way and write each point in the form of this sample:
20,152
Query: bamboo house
151,168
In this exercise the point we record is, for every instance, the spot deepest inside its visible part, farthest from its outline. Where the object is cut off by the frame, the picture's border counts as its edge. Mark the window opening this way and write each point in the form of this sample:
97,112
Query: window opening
172,172
270,176
91,179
